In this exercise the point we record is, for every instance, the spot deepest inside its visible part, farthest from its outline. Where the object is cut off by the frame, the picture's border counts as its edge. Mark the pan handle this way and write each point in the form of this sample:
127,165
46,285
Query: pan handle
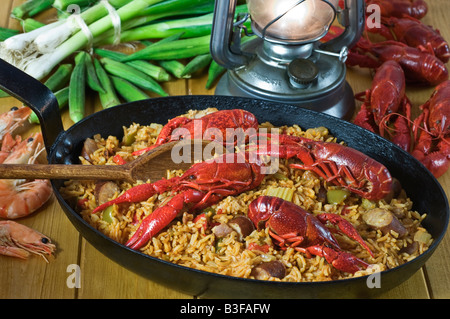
35,95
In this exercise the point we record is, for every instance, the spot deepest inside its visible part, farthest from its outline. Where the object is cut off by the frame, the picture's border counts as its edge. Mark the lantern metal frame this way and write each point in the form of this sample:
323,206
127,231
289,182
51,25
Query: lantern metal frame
259,68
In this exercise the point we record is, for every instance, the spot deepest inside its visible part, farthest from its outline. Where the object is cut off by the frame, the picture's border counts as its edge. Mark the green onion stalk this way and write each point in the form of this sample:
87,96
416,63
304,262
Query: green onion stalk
39,51
169,9
49,40
20,44
64,4
6,33
178,7
31,8
30,24
190,27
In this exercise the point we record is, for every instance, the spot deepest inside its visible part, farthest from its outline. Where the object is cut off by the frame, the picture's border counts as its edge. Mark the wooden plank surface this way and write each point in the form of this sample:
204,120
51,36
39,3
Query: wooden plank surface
102,278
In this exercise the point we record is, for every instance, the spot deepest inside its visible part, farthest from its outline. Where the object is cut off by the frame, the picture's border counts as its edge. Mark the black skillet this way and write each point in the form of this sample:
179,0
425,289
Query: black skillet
64,147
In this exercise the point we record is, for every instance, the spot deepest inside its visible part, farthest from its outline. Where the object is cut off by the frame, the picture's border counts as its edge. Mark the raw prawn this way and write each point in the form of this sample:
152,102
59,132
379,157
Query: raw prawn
19,198
19,241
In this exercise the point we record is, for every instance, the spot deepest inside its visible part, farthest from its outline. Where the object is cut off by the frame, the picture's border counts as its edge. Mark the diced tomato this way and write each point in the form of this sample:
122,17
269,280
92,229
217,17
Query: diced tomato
119,160
263,248
202,218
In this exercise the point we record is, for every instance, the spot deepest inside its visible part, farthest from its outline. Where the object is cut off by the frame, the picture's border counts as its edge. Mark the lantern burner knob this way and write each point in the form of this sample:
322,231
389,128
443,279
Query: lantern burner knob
302,72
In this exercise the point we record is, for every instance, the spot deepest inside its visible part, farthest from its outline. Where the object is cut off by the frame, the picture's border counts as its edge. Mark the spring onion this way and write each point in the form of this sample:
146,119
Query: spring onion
41,6
180,49
63,4
114,55
26,55
174,67
31,8
178,7
6,33
47,41
138,28
30,24
190,27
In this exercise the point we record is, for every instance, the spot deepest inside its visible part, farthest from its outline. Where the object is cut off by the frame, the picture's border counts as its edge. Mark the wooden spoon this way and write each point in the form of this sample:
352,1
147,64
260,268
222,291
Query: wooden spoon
149,166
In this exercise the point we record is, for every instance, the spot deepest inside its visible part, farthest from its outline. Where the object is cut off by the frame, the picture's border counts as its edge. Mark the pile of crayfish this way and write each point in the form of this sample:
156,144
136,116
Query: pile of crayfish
410,52
230,174
19,198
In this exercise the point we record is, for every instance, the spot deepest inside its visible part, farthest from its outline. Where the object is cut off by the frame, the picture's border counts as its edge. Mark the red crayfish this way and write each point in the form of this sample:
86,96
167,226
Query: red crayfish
387,96
201,186
400,8
418,66
415,34
337,164
432,131
206,183
212,126
291,225
427,138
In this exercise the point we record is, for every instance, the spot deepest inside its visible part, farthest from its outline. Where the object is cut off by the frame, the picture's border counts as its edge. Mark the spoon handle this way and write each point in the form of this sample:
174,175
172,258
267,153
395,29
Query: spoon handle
61,171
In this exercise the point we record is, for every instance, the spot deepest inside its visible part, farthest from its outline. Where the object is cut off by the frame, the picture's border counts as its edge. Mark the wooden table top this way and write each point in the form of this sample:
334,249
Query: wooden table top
103,278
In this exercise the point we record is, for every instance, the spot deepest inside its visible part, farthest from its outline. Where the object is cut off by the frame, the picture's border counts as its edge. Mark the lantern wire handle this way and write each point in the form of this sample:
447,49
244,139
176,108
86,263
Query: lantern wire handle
263,33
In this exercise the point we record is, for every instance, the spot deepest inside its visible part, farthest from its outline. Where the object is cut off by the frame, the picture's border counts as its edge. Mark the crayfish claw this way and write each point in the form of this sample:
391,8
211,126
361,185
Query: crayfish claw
340,260
346,227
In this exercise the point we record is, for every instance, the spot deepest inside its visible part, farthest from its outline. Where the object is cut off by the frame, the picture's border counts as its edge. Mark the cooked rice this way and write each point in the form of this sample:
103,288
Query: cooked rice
187,243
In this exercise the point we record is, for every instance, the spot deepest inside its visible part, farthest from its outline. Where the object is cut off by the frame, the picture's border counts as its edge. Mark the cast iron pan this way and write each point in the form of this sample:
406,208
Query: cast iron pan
63,147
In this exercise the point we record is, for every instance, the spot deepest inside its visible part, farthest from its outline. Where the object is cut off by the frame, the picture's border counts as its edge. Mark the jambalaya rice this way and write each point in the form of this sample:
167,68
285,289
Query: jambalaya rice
187,242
